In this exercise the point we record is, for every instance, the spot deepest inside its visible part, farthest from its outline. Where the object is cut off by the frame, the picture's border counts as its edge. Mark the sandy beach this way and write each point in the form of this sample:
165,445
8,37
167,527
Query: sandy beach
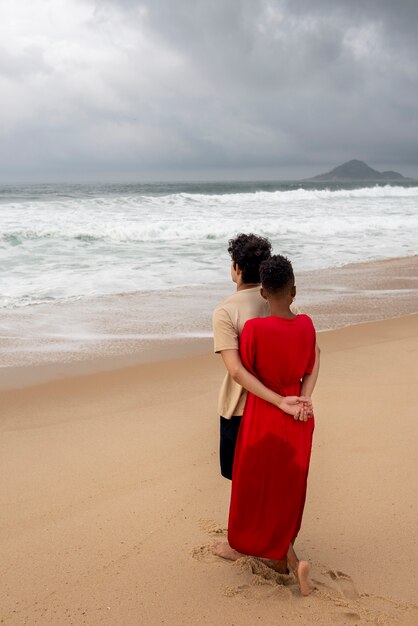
153,156
111,495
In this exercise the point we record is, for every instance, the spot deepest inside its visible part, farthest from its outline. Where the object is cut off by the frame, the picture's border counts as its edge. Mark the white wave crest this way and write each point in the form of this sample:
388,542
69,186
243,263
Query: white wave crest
65,248
118,232
291,195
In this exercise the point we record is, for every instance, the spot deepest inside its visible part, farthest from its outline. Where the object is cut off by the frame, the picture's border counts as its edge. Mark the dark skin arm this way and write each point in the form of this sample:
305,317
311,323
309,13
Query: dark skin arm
309,380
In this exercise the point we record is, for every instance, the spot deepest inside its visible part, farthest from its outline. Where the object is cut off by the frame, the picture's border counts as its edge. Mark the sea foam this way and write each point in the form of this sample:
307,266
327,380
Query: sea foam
53,247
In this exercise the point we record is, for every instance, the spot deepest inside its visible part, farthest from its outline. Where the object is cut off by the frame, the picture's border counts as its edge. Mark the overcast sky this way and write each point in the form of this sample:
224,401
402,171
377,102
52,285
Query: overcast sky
206,89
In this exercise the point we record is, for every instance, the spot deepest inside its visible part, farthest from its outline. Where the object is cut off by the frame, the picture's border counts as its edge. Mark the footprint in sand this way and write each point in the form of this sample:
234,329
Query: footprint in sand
230,591
344,584
262,581
212,528
350,616
204,553
259,589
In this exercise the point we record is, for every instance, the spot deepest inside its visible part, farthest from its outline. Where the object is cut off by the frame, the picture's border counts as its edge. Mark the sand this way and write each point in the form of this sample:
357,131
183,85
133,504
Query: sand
110,496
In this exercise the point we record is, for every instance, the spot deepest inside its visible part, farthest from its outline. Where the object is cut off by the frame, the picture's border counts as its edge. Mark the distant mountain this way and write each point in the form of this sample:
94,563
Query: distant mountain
356,171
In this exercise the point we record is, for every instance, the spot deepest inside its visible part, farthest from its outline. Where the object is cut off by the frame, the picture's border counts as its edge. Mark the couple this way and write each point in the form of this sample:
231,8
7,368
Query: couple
265,439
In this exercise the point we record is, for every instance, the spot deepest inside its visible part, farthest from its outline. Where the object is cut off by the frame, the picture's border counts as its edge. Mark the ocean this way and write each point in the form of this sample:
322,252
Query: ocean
71,253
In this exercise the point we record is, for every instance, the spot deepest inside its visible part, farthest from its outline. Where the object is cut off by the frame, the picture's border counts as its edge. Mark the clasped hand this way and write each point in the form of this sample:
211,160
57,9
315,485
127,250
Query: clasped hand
300,407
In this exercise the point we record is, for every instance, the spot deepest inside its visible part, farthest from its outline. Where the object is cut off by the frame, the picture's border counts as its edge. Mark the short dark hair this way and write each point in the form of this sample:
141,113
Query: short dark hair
277,274
249,251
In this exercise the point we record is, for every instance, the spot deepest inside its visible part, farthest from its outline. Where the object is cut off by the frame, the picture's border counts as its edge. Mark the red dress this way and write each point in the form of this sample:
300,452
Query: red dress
272,455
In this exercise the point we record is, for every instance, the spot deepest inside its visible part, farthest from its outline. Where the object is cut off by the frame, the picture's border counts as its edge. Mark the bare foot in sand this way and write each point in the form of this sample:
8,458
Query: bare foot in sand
224,550
301,570
302,574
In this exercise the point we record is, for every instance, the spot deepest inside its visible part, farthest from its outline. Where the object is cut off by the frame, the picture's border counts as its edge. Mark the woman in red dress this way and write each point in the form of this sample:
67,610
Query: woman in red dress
273,450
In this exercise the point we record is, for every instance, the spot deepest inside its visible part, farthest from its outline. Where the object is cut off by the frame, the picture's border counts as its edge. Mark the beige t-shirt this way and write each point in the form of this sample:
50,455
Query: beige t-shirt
228,321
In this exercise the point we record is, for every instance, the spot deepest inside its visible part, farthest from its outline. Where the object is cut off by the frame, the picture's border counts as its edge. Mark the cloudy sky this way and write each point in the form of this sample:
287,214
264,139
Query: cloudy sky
201,89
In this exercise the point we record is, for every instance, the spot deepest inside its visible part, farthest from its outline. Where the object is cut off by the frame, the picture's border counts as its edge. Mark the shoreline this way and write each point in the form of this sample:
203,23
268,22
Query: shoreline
27,376
110,333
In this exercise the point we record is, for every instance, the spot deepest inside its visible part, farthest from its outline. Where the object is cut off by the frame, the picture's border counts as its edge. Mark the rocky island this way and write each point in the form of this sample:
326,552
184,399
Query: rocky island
356,170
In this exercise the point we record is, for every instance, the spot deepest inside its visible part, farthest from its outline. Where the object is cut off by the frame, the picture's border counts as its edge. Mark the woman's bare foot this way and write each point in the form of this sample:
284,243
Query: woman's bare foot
302,574
301,570
224,550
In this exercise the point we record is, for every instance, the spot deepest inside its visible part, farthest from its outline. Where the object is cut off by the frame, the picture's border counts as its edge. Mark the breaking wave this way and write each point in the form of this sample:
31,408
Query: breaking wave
57,247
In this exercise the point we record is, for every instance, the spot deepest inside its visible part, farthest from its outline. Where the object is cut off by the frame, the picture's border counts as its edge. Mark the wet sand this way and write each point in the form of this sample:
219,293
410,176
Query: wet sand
43,342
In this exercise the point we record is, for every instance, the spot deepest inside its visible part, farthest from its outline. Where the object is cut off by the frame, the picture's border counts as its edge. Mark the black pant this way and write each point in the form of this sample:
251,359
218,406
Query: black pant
229,432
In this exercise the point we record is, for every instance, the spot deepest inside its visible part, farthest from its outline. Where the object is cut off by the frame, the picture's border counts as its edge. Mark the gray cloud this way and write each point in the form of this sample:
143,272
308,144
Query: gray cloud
190,89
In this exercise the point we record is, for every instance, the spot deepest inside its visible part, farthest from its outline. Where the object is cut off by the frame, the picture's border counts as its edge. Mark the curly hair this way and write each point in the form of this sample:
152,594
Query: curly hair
249,251
277,274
